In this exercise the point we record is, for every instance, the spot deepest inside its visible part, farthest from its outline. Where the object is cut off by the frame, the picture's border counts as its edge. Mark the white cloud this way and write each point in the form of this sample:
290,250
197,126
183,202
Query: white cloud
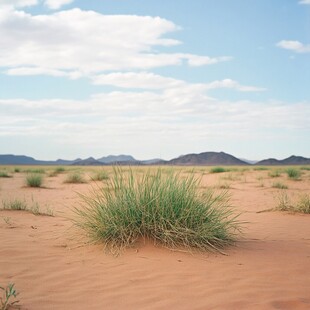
86,43
56,4
18,3
228,83
295,46
148,80
304,2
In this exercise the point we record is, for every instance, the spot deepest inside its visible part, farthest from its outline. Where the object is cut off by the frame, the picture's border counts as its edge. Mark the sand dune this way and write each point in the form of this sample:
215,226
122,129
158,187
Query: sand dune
268,268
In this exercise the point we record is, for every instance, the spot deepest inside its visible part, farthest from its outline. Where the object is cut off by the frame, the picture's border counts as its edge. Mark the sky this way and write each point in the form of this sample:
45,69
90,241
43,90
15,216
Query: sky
155,78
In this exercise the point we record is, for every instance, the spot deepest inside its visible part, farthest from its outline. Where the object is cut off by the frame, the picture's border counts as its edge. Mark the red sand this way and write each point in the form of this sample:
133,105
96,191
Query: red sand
267,269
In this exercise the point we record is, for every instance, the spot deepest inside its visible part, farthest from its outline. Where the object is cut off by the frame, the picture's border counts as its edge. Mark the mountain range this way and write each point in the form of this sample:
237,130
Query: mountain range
206,158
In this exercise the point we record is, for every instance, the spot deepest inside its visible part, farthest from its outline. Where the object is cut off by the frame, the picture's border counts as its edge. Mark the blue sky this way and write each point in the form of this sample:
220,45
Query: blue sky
154,78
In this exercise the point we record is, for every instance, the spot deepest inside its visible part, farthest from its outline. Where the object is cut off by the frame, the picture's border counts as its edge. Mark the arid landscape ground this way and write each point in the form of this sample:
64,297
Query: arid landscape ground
52,268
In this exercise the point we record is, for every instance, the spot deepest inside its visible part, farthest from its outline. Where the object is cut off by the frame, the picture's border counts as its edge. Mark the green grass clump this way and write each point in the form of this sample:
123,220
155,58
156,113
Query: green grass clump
218,170
260,168
293,173
34,180
163,207
100,176
75,178
4,174
279,185
16,169
9,292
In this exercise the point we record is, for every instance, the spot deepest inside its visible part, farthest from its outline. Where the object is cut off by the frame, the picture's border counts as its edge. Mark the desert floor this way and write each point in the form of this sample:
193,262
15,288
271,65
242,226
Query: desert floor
52,268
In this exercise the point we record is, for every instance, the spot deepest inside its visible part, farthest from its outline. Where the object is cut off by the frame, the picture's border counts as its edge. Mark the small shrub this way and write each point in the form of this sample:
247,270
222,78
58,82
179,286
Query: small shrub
75,178
218,170
4,174
16,169
293,173
284,203
9,292
34,180
303,205
14,205
100,176
274,174
279,185
162,207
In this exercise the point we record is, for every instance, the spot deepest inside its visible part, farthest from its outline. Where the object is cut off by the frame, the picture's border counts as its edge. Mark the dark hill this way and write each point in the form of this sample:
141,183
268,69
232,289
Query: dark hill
292,160
207,158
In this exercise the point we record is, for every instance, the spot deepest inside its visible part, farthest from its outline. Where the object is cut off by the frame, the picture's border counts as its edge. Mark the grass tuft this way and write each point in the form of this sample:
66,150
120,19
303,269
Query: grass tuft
9,292
274,173
75,178
19,205
302,205
100,176
163,207
293,173
218,170
279,185
34,180
4,174
14,205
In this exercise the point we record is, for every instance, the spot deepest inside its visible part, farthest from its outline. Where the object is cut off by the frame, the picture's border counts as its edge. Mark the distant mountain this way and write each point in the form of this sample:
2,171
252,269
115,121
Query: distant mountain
292,160
90,161
116,159
207,158
9,159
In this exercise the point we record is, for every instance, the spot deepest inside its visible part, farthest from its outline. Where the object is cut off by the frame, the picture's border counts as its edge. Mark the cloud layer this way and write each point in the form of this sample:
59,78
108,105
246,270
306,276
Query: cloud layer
77,43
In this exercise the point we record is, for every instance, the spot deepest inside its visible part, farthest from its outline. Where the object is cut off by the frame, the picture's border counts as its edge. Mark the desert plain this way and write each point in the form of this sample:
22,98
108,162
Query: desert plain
52,267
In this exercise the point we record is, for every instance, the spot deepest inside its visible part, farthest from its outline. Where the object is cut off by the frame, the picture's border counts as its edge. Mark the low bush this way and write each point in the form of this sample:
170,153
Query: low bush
162,207
218,170
293,173
34,180
75,178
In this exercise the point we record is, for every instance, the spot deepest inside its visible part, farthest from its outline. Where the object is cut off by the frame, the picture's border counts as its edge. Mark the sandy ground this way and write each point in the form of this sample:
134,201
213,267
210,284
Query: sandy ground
268,268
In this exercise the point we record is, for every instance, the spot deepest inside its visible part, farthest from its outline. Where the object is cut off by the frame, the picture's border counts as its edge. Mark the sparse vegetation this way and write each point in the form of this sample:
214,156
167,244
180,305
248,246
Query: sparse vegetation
302,205
100,176
4,174
279,185
75,178
165,208
9,292
293,173
218,170
34,180
260,168
19,205
14,205
35,170
16,169
274,173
